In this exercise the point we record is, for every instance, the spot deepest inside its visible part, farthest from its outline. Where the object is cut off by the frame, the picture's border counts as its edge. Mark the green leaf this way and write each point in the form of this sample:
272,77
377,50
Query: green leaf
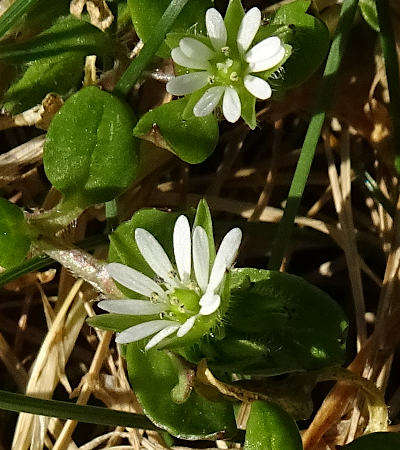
48,58
309,40
66,35
370,14
373,441
278,323
153,377
14,238
44,76
146,13
192,139
90,154
269,427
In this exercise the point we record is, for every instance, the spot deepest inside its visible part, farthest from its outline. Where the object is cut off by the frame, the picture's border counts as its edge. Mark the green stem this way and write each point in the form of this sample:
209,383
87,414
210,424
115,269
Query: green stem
326,92
14,13
66,410
137,66
388,43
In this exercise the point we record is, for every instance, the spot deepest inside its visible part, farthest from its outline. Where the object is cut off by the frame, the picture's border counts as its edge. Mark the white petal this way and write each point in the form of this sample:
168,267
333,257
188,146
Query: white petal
186,327
142,330
132,307
231,105
192,63
182,247
154,254
208,101
196,49
188,83
160,336
225,257
248,29
210,303
265,55
265,49
268,63
257,87
216,29
201,257
133,280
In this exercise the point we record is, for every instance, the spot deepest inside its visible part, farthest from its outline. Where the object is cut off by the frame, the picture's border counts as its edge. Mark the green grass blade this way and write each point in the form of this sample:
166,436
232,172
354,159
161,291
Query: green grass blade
65,410
137,66
14,13
325,96
388,43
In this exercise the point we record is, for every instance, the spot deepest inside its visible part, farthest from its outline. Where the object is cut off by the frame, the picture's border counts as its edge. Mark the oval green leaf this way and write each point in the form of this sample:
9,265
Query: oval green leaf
14,238
374,441
269,427
58,51
192,139
153,377
370,14
309,40
278,323
90,154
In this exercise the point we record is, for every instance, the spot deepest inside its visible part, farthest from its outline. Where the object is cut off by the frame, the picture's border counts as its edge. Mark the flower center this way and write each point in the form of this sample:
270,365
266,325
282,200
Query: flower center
227,71
184,303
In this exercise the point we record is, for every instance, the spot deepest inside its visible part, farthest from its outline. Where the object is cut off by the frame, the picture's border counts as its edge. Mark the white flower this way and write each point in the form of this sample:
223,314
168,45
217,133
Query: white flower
218,67
182,294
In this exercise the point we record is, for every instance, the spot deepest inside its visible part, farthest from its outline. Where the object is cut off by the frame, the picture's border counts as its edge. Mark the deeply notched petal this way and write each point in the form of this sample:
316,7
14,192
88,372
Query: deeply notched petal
193,48
265,55
201,257
208,101
141,331
216,29
133,280
209,303
231,106
257,87
132,307
154,254
226,256
186,327
191,63
157,338
248,29
183,247
188,83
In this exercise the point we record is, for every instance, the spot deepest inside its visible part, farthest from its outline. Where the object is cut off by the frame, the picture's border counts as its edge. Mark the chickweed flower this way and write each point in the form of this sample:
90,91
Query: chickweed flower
183,294
228,73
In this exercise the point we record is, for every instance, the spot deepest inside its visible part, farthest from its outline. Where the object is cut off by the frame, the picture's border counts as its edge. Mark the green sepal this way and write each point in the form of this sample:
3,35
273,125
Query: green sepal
15,239
90,154
269,427
153,377
203,219
192,139
115,322
146,13
233,18
369,13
